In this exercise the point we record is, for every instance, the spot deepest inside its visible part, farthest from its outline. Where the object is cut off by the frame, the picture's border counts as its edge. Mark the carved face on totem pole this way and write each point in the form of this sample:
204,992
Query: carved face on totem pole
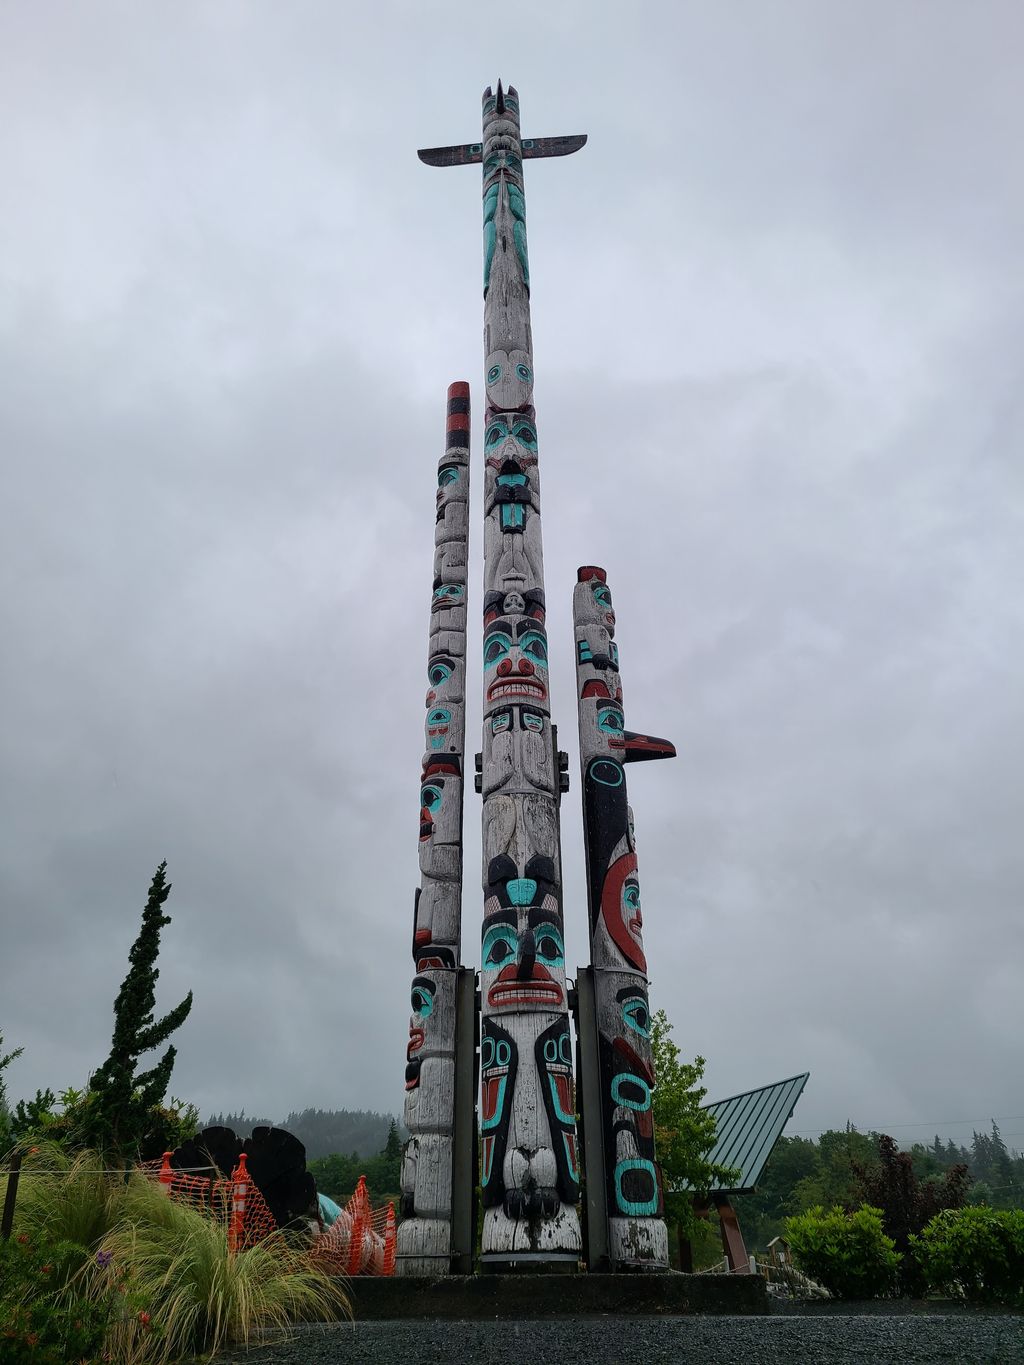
615,886
515,664
594,606
430,1060
517,750
435,925
441,818
523,954
452,485
448,605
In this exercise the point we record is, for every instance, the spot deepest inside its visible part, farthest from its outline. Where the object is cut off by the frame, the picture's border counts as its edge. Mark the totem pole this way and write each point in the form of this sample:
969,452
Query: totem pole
529,1173
637,1238
424,1235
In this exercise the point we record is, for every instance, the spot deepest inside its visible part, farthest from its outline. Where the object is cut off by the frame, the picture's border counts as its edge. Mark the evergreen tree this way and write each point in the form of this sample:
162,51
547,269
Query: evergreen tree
121,1101
5,1114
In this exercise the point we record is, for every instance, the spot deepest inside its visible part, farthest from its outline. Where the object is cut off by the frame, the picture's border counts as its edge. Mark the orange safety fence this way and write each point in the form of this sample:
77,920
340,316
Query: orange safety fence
361,1241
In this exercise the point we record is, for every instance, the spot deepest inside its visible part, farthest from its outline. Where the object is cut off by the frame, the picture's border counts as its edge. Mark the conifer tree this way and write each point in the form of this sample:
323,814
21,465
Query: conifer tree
121,1100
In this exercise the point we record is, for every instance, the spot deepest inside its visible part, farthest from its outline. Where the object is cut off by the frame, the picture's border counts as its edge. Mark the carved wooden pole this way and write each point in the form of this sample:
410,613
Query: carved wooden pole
637,1237
529,1167
424,1236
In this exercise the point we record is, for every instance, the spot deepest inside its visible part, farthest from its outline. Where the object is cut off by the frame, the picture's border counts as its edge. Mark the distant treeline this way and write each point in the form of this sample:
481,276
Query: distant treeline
834,1170
323,1132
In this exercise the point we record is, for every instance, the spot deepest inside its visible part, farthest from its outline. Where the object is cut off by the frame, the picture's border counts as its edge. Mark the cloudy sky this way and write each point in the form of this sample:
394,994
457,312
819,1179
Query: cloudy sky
778,334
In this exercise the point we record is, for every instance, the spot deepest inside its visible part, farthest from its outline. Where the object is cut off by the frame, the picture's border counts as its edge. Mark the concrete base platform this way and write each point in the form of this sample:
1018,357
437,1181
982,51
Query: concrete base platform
556,1296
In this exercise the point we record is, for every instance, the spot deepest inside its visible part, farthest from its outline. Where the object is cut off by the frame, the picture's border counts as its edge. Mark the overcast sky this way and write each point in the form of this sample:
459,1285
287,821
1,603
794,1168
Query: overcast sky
778,324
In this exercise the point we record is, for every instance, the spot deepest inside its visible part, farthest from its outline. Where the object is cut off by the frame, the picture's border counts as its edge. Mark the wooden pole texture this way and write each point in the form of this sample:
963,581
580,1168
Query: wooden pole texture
529,1174
424,1235
637,1237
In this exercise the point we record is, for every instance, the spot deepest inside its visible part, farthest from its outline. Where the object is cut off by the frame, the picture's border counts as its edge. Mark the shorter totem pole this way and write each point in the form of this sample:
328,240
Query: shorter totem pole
624,1146
424,1236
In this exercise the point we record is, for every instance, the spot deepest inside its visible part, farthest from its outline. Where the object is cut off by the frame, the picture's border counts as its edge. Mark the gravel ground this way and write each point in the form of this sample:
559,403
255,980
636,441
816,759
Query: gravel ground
878,1339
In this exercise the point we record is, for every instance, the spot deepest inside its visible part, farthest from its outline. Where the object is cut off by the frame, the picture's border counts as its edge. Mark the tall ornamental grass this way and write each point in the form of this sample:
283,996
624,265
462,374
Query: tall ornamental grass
111,1248
203,1297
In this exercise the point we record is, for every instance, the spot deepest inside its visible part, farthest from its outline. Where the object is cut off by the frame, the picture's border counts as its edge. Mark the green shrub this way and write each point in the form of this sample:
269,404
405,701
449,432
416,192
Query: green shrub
975,1253
848,1254
40,1321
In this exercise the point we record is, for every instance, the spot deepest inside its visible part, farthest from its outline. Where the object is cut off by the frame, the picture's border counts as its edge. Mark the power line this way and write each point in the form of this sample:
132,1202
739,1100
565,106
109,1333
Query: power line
915,1123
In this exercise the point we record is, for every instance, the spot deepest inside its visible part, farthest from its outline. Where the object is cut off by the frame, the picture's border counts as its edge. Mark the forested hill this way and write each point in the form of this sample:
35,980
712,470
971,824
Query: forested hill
321,1131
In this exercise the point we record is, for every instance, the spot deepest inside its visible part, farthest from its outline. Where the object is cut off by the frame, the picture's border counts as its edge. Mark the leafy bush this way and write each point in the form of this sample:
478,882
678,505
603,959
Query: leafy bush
847,1253
42,1321
975,1253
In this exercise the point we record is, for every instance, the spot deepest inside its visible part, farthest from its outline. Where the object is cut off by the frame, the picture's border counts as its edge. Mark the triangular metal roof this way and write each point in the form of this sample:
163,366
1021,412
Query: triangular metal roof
748,1127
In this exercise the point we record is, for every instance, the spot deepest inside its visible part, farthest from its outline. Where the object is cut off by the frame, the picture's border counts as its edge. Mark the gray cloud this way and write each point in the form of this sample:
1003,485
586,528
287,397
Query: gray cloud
777,312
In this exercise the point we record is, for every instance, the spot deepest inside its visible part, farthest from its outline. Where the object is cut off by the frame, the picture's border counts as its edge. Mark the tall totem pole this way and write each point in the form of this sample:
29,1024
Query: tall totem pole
529,1176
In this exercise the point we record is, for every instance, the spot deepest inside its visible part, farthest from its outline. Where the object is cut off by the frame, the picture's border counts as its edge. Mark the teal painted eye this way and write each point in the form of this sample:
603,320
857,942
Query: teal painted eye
439,716
631,895
439,673
499,945
610,719
632,1092
602,594
535,646
613,654
496,431
447,592
550,950
503,1053
636,1015
422,1002
431,798
486,1052
525,434
494,374
525,373
447,476
495,648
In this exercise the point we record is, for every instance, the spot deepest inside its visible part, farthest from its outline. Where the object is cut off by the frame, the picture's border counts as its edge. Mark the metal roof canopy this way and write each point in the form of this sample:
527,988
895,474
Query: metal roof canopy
748,1127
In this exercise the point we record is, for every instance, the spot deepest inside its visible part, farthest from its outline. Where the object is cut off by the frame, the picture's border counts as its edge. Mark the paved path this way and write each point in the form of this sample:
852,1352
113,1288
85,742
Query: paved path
975,1339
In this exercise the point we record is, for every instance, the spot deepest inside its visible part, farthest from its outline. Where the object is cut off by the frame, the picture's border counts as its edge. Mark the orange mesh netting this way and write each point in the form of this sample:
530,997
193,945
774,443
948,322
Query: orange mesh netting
236,1202
361,1241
